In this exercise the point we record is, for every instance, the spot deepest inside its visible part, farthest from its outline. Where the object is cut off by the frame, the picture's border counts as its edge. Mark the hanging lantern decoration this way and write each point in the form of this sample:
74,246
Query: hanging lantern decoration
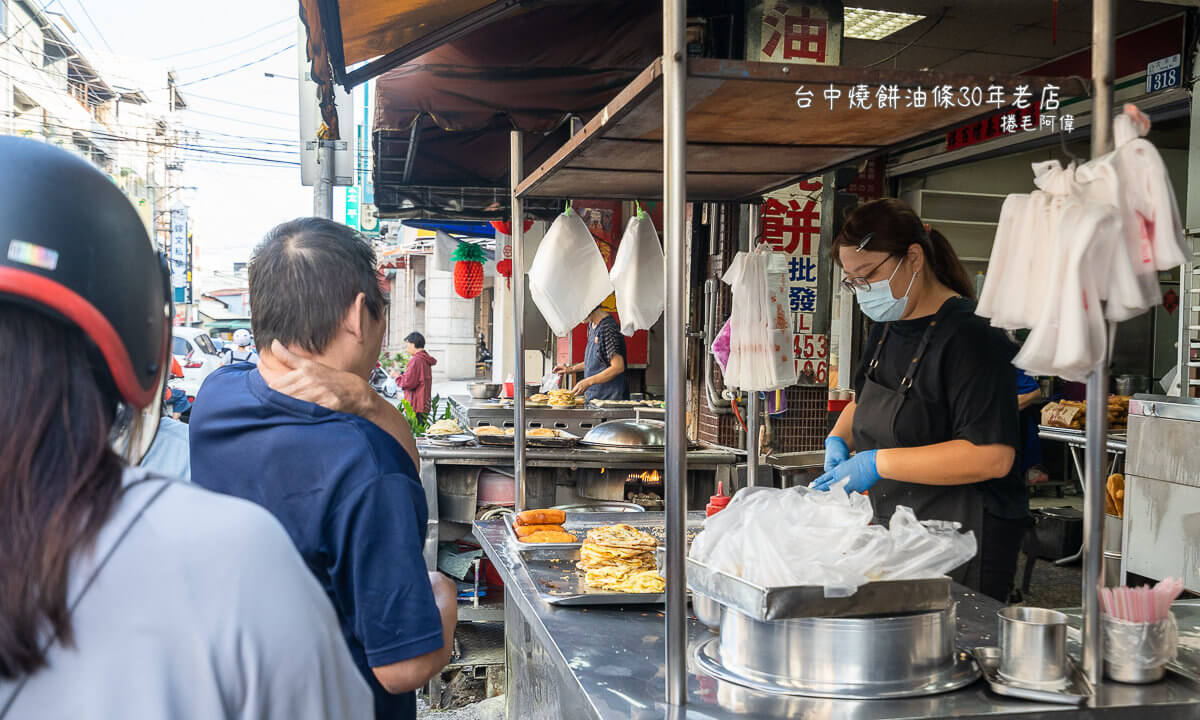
468,269
504,267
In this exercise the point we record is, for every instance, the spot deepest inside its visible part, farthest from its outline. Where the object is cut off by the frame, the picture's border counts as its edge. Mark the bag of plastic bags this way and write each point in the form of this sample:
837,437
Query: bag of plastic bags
720,346
638,276
568,278
760,347
802,537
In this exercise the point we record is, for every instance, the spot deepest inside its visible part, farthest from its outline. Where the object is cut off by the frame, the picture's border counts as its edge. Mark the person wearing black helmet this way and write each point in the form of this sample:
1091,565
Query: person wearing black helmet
124,594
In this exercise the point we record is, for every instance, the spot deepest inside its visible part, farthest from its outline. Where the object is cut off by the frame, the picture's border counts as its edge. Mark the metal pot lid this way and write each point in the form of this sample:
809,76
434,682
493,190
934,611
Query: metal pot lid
628,433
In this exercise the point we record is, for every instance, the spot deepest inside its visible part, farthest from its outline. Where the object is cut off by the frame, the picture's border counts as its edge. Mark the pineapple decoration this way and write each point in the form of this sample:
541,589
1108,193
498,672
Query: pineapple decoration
468,269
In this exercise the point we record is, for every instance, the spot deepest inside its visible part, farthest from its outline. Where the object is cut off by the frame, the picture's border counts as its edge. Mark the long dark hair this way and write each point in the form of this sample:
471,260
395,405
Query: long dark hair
59,478
896,227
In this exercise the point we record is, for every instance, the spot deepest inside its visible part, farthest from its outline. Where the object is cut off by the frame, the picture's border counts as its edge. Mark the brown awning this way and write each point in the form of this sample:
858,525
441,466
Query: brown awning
392,32
442,122
746,134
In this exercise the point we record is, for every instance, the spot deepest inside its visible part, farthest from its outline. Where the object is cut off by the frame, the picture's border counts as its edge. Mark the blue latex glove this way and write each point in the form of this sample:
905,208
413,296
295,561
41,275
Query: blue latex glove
836,452
860,469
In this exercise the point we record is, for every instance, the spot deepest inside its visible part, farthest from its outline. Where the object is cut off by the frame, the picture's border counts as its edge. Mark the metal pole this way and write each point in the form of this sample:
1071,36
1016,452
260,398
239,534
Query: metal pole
754,405
674,213
1097,385
323,190
516,173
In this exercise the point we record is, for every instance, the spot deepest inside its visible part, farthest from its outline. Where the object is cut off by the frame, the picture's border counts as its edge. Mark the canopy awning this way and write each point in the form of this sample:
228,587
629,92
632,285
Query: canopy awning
442,122
389,33
746,134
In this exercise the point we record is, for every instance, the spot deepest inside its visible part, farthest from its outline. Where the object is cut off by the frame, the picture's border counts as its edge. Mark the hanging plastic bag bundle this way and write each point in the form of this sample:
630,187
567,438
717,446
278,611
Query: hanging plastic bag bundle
638,276
760,347
568,279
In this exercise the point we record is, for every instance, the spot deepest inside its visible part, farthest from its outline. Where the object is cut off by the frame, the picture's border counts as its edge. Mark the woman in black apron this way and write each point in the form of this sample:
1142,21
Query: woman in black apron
934,421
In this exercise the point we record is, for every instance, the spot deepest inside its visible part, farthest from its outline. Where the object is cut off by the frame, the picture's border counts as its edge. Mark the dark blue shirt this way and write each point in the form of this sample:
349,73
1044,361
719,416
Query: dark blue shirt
349,497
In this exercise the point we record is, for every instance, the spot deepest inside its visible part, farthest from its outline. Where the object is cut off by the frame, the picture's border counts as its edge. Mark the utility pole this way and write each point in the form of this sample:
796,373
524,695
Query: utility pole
323,190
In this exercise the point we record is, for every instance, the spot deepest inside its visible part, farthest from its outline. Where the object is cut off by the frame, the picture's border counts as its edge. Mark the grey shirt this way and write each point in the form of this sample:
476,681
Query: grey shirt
204,611
169,454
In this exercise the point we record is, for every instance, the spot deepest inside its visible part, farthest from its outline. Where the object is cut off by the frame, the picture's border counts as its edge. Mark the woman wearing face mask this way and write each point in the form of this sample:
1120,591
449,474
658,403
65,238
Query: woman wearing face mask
934,423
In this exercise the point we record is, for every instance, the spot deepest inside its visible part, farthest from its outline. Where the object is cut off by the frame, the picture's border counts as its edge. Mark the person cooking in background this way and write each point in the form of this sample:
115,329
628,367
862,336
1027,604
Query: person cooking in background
603,365
417,379
934,420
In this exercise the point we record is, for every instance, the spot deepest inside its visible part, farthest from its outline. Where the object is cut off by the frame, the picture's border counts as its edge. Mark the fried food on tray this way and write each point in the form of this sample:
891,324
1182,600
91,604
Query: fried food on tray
527,530
1114,496
622,536
489,430
444,427
620,558
539,399
541,433
614,580
550,536
540,517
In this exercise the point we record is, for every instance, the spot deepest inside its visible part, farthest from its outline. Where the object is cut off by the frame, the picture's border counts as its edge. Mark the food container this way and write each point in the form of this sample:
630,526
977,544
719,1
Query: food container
1059,532
627,434
1138,653
876,657
601,506
1131,384
484,390
707,610
1033,645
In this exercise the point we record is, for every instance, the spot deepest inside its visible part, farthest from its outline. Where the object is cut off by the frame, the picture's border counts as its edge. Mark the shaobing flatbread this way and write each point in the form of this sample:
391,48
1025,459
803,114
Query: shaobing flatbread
622,536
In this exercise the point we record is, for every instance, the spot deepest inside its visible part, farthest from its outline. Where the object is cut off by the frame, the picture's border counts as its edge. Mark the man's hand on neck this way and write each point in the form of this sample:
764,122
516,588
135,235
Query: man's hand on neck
305,378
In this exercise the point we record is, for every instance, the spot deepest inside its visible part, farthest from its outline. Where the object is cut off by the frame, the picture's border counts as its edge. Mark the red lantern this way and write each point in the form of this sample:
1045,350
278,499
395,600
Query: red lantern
505,227
504,267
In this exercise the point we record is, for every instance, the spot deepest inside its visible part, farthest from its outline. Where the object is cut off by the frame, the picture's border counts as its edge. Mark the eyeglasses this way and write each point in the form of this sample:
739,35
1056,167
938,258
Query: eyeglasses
861,283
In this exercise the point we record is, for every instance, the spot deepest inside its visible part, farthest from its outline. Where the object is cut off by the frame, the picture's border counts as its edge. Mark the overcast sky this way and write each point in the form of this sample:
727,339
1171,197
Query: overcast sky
243,112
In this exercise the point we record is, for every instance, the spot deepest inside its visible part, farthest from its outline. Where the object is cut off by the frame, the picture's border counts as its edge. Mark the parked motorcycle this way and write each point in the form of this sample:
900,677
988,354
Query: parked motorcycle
383,384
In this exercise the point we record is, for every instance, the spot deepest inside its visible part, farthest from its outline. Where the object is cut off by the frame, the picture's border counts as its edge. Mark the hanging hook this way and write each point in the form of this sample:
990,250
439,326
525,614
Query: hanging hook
567,207
641,214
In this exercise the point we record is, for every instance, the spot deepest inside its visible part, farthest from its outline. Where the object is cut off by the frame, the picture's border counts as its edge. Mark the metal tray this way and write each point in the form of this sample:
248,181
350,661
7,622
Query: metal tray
885,597
457,440
1075,691
559,582
579,523
564,440
960,673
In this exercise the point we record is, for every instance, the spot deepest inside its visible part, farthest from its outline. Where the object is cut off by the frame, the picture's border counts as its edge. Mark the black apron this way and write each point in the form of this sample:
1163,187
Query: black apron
594,364
876,410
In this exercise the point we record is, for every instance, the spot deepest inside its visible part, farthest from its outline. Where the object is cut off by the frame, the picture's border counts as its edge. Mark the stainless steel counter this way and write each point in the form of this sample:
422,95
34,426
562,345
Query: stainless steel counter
609,663
707,456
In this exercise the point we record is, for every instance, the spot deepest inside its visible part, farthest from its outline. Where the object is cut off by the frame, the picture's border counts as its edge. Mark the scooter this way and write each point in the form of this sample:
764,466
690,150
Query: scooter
383,384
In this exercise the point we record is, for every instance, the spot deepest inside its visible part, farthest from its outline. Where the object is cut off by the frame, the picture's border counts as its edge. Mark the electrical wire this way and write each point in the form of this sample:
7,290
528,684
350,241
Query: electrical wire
915,40
28,22
238,54
244,122
239,67
96,27
252,33
241,105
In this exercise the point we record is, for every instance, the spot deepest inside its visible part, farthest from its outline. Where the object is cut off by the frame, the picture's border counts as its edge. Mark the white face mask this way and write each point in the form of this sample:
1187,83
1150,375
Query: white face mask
878,303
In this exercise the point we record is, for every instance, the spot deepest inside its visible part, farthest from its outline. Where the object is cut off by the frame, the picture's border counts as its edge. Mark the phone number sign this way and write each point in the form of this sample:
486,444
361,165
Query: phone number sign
791,224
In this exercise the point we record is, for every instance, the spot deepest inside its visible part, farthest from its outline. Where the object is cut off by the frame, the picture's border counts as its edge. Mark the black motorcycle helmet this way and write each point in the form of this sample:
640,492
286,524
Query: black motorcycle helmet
73,247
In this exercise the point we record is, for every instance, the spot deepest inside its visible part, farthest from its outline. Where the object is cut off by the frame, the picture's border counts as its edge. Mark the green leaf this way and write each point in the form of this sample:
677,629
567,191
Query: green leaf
468,252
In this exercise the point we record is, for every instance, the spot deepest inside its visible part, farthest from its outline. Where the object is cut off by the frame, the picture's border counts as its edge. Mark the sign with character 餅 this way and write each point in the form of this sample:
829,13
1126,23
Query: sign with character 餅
790,224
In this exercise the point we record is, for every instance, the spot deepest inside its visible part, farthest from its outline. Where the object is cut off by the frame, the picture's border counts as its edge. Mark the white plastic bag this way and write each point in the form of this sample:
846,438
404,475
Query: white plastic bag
637,275
760,347
568,279
550,381
784,538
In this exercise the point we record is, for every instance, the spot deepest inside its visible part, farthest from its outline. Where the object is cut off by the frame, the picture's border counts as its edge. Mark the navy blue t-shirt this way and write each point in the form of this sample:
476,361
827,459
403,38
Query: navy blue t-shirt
349,497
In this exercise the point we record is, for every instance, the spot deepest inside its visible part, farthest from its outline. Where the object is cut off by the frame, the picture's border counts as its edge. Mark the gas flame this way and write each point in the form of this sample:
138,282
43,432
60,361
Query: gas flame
649,477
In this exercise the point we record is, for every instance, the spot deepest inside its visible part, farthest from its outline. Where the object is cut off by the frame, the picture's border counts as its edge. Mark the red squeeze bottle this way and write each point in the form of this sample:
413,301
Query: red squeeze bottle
716,503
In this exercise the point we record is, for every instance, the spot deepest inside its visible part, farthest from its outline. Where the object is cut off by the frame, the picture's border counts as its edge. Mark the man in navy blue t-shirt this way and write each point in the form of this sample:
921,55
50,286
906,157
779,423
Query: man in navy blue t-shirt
304,436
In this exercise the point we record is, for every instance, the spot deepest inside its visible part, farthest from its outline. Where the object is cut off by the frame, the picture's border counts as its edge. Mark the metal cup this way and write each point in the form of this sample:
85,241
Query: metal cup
1033,645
